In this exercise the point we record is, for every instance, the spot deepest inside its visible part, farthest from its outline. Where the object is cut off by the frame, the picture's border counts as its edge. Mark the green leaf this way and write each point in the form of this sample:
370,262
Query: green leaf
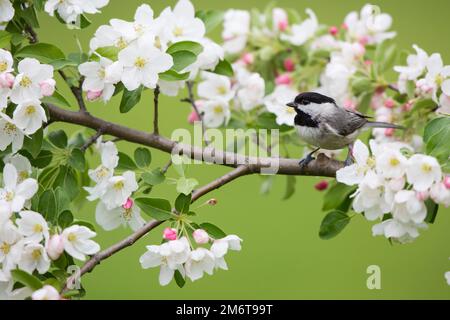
159,209
67,180
211,18
290,187
62,200
125,162
194,47
43,159
84,22
336,195
58,100
130,99
432,210
183,202
437,137
186,185
267,120
333,223
427,104
361,85
213,230
224,68
76,160
47,205
65,219
110,53
154,177
180,281
5,38
58,138
385,56
44,52
182,59
26,279
171,75
33,144
78,57
63,63
143,157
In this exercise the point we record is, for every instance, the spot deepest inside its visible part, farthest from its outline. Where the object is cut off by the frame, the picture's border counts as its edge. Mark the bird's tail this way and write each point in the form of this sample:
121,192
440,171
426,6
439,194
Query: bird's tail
374,124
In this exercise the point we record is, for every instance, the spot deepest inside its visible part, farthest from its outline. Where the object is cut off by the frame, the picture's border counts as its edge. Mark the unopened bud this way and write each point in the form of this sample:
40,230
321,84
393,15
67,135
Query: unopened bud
200,236
55,246
170,234
47,87
128,204
322,185
93,95
333,30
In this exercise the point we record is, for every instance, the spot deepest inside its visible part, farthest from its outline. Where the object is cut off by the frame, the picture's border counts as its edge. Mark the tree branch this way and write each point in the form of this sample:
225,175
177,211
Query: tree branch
322,166
92,140
156,103
76,91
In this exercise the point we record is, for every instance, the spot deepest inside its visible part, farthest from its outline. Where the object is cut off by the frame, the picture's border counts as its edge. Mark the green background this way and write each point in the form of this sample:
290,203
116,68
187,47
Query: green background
282,256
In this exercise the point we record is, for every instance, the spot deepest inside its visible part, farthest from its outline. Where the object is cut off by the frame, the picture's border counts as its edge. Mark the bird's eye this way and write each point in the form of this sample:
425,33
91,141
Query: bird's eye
305,102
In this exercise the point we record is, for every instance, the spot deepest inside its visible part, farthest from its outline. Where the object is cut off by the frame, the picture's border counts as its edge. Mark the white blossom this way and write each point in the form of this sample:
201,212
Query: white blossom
355,173
276,103
422,171
112,219
22,165
10,246
118,189
29,116
47,292
250,90
10,134
215,113
33,226
200,260
397,230
6,11
416,64
215,87
70,10
34,257
300,33
78,243
236,27
408,208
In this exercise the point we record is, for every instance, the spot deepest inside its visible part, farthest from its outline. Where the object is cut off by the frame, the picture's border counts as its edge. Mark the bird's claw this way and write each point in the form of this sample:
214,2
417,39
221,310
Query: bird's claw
348,162
305,161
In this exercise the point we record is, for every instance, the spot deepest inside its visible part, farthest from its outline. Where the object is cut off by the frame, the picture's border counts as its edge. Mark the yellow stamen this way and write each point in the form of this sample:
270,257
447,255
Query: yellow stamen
3,66
426,168
140,63
72,237
30,110
178,32
102,73
38,228
371,162
25,82
10,128
218,109
9,196
119,185
121,43
394,162
36,254
5,248
222,90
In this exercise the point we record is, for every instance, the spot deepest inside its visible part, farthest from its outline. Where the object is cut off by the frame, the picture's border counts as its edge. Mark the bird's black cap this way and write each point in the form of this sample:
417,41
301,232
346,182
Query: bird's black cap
312,97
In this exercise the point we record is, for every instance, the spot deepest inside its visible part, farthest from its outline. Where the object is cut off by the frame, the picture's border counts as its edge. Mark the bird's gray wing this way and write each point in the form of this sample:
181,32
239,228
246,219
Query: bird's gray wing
343,121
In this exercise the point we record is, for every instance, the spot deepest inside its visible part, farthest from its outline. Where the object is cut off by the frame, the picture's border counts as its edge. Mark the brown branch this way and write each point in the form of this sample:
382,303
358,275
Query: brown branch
92,140
76,91
322,166
156,103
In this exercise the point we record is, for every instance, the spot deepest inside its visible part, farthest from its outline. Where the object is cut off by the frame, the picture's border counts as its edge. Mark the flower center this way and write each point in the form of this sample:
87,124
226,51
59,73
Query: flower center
102,73
290,110
119,185
439,79
5,248
23,175
222,90
3,66
30,110
371,162
218,109
127,214
121,43
178,32
394,162
9,196
38,228
158,43
140,63
72,237
25,82
426,168
36,254
102,172
9,128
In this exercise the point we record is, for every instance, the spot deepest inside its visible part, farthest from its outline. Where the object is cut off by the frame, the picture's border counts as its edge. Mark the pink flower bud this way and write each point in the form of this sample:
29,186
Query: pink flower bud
322,185
55,246
193,117
422,196
128,204
363,41
407,106
200,236
6,80
283,24
447,182
283,79
368,62
47,87
389,103
344,26
248,58
289,65
389,132
170,234
93,95
333,30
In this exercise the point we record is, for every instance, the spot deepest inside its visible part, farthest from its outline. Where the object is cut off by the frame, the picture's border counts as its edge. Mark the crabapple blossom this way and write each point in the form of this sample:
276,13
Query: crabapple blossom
200,236
10,134
6,61
6,11
70,10
215,87
47,292
34,257
142,63
29,116
391,163
110,219
21,163
300,33
395,229
27,83
118,189
14,194
55,246
250,90
10,246
355,173
32,226
407,207
236,28
200,261
216,113
8,292
276,103
78,243
416,64
440,193
280,19
422,171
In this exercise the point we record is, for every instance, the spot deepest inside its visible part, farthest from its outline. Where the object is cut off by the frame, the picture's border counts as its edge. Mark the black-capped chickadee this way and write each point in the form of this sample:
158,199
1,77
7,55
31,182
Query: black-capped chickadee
322,123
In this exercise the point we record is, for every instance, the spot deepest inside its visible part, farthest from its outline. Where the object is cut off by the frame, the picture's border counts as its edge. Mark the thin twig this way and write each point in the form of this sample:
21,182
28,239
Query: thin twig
167,166
191,100
76,91
92,140
156,105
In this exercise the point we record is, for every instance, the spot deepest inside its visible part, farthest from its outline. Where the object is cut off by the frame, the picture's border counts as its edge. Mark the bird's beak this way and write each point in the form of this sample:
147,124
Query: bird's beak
292,104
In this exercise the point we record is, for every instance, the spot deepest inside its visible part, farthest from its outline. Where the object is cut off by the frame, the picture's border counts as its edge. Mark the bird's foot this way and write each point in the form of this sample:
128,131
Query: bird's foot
305,161
348,162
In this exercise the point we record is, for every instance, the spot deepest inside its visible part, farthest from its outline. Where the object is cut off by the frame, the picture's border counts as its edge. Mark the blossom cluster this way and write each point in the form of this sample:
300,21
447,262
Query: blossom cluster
25,89
71,10
177,254
394,188
116,206
27,241
142,56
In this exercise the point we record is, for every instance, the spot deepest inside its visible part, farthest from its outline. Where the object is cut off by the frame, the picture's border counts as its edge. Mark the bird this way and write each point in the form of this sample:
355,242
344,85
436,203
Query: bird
322,123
